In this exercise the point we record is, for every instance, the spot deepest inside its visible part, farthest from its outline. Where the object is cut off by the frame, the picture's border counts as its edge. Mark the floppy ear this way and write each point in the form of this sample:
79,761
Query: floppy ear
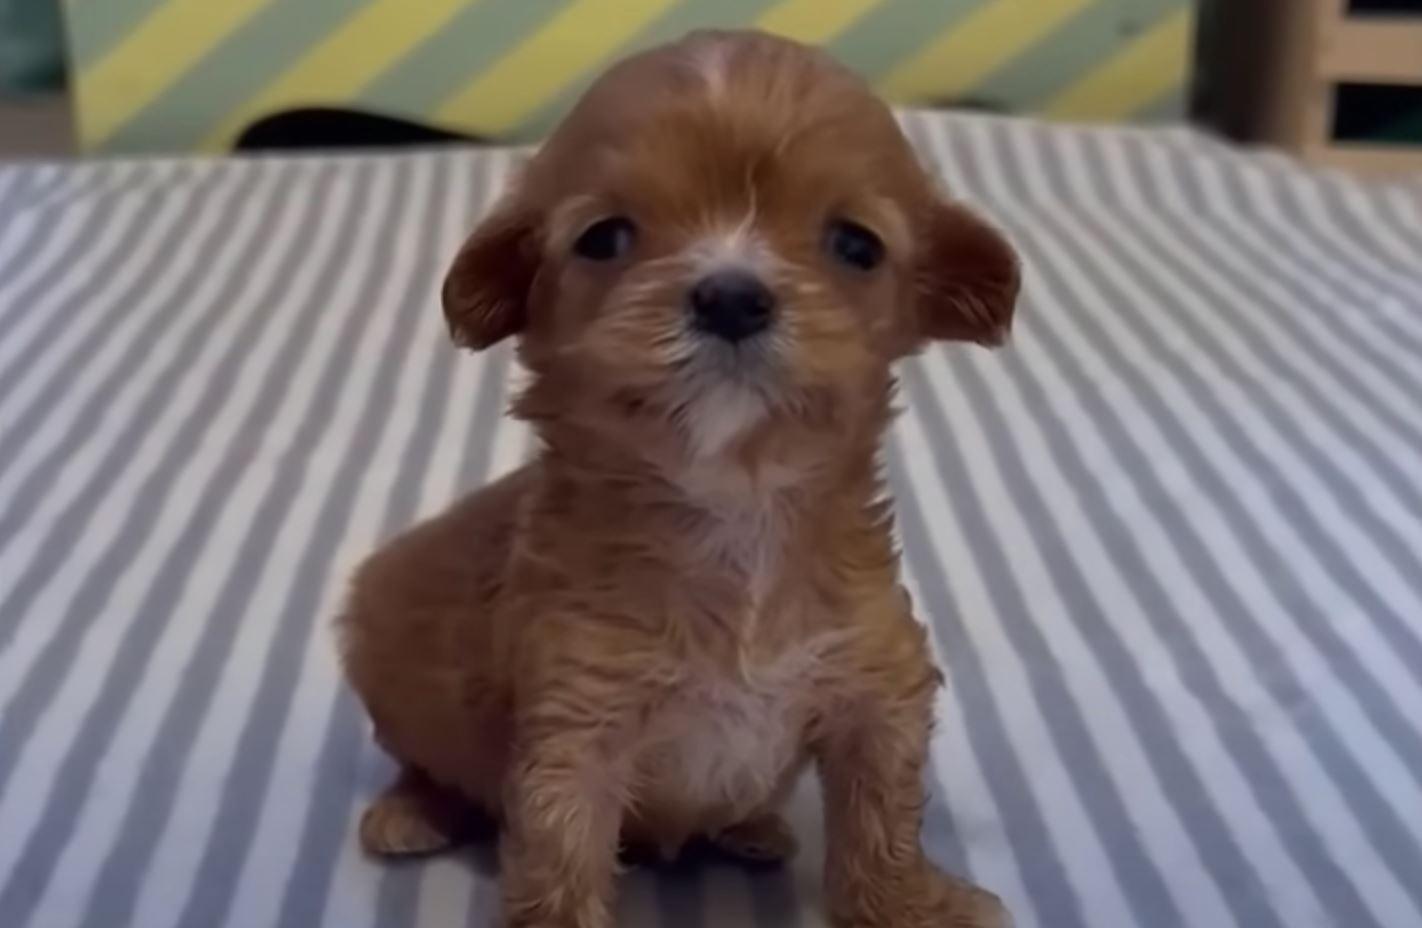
487,288
967,278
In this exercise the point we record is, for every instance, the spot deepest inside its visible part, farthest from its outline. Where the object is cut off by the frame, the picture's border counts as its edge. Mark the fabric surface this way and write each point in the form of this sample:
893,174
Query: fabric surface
1169,540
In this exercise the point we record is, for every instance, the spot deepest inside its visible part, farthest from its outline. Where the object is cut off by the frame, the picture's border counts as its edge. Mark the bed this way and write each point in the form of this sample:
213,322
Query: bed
1169,541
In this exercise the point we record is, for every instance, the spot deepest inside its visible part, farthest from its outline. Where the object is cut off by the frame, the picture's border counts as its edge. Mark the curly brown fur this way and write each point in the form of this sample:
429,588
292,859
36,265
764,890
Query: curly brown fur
691,595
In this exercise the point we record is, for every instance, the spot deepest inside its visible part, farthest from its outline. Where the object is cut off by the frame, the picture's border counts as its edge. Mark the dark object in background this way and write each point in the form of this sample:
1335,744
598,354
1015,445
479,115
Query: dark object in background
322,128
31,47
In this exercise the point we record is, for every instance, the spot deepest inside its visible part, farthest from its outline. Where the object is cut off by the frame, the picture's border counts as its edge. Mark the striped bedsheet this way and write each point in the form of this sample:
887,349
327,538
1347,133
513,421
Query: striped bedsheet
1169,541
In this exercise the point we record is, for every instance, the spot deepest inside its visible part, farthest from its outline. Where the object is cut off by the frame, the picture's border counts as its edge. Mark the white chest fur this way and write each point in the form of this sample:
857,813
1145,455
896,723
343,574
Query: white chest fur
728,741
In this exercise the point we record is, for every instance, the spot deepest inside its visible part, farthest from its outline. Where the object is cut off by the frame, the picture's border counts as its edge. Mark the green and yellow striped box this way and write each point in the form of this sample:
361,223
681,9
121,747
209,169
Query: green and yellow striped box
184,75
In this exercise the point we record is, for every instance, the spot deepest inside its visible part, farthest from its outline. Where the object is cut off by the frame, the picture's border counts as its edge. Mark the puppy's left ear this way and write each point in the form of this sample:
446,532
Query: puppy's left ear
967,278
486,291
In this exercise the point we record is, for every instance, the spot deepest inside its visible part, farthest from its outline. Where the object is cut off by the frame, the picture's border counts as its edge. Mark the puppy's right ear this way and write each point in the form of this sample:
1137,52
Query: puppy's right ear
486,291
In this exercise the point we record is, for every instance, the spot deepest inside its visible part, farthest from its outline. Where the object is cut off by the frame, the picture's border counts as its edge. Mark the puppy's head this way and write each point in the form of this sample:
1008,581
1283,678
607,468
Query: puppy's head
725,235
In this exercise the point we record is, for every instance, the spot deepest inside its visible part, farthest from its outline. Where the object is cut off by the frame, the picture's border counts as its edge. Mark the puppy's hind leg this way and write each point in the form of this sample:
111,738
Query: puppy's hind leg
415,816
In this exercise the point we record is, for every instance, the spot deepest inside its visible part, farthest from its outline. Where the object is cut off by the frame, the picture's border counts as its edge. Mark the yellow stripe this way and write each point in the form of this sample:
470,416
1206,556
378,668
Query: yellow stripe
530,75
154,56
336,69
1141,72
814,22
970,50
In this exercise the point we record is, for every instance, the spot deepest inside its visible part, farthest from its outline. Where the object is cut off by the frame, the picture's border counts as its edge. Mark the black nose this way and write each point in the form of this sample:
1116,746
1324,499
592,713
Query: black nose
732,305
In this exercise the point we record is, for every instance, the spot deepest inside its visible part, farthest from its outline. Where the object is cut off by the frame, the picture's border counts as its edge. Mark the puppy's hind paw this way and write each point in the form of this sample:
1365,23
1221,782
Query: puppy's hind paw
410,818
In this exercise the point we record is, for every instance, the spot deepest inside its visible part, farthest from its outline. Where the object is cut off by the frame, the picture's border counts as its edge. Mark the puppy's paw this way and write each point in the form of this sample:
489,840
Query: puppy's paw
936,900
408,819
764,840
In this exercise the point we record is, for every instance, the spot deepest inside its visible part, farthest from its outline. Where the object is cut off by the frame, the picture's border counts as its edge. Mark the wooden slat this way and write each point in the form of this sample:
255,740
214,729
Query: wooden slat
1374,160
1373,49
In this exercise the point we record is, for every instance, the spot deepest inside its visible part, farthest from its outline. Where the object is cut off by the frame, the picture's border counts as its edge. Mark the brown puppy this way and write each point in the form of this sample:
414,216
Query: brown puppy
692,593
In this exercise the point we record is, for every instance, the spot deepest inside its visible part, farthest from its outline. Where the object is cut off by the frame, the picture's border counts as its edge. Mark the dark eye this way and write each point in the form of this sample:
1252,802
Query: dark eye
854,245
607,239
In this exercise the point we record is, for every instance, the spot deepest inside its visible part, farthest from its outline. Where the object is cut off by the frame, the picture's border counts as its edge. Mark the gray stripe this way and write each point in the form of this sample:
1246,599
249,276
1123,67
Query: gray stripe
46,672
773,898
126,864
32,488
1364,230
1355,285
1262,346
1180,782
1310,291
398,894
22,302
107,179
90,304
484,903
338,765
484,422
1348,495
1211,835
1268,785
1138,875
212,891
1340,765
680,896
1038,859
1341,242
1395,845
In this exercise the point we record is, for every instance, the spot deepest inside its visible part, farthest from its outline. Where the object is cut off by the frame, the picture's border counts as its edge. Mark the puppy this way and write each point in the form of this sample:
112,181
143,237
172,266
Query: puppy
692,594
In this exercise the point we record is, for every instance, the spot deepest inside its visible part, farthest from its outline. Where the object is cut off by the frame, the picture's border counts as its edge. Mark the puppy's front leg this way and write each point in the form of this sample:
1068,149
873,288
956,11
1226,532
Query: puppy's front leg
563,806
871,759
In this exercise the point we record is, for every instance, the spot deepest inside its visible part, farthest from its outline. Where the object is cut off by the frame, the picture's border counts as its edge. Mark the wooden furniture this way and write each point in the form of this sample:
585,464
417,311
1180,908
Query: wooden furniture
1337,57
1329,74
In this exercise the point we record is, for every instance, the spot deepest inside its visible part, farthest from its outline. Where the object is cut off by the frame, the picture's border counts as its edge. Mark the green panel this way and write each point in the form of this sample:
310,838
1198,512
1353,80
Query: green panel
1072,51
894,31
192,107
674,23
474,39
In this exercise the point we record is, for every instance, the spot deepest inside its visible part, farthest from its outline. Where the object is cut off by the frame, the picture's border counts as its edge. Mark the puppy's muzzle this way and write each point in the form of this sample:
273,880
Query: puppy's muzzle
731,305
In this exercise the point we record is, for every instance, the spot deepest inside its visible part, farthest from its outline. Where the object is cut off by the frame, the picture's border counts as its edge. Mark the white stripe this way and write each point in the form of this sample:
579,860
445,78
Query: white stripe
137,729
283,814
188,829
1165,838
1329,243
1383,893
1236,403
1385,504
121,324
964,784
440,484
77,471
1354,315
1317,496
117,235
1191,726
1327,248
1327,812
1083,858
99,822
355,879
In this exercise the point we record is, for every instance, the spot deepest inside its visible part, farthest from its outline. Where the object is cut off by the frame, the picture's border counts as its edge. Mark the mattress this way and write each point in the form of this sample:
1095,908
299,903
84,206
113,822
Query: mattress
1169,541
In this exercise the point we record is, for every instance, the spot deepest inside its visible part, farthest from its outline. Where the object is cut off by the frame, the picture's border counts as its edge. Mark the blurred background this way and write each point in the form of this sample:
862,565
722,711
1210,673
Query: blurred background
1338,81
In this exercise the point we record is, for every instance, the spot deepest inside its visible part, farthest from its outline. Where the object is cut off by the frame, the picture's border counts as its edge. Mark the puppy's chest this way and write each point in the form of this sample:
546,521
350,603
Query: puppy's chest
728,739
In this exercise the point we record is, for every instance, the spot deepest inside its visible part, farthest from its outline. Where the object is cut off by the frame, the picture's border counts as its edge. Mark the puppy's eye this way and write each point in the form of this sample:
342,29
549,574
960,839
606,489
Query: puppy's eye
607,239
854,245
